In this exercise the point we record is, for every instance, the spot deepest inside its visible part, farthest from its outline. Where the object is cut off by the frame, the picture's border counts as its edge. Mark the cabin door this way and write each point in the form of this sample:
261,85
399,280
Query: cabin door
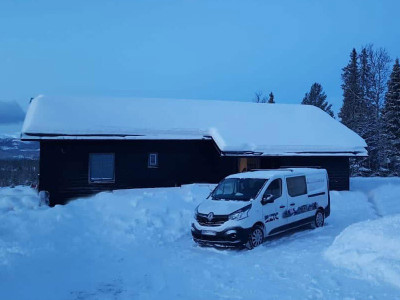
248,163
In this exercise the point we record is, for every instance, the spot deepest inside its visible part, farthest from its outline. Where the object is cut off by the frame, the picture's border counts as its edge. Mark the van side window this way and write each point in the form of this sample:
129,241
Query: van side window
296,186
275,188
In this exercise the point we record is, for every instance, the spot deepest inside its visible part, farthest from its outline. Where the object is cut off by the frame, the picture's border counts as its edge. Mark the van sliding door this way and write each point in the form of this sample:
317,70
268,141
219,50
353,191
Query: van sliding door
298,203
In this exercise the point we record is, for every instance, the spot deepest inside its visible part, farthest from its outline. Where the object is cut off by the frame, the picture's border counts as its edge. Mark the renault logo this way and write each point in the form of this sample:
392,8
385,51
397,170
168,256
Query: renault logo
210,216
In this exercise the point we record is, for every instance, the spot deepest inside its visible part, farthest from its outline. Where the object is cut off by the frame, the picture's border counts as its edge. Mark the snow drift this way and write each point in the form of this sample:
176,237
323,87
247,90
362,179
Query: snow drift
90,247
371,249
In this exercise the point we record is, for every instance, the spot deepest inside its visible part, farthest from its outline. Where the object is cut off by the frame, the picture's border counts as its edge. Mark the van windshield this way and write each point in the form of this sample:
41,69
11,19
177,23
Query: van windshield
242,189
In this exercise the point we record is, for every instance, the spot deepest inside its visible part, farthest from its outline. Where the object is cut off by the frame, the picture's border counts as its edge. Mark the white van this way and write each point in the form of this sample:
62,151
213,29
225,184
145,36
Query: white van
245,208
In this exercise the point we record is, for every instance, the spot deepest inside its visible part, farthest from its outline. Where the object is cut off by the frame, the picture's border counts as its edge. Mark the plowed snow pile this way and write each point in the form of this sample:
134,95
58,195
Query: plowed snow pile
371,249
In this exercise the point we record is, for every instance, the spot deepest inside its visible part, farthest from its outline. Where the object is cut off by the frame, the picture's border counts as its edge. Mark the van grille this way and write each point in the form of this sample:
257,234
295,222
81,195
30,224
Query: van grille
217,220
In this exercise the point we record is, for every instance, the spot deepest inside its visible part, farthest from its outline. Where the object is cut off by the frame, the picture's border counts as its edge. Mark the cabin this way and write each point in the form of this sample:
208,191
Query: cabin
89,145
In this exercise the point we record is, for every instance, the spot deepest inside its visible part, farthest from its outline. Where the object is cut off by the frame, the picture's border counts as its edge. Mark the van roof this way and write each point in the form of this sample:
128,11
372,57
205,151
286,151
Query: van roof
272,172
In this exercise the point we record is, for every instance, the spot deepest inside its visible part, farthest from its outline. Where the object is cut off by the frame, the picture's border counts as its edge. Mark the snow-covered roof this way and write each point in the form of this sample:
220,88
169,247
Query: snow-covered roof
236,127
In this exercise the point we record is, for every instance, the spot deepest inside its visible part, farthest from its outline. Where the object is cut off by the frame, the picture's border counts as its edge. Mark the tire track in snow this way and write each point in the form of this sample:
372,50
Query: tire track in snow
372,203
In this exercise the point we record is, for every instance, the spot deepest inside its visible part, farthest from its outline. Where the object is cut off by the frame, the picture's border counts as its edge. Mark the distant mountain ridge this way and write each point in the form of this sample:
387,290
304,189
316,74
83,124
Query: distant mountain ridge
13,148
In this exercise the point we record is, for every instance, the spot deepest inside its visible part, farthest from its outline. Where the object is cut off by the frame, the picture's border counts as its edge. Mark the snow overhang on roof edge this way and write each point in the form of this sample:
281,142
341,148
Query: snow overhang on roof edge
40,137
249,154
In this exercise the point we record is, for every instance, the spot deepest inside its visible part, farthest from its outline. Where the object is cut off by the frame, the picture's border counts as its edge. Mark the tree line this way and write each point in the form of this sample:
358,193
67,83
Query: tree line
19,172
371,108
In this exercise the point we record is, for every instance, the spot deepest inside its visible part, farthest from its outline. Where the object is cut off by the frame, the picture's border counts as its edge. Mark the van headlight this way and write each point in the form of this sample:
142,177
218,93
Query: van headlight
240,213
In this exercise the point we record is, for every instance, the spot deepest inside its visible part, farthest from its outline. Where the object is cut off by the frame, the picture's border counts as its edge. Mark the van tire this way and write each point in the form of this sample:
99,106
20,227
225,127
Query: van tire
256,237
319,219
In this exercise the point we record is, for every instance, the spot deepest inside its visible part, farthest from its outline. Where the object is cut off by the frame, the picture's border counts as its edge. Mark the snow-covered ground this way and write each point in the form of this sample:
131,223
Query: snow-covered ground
136,244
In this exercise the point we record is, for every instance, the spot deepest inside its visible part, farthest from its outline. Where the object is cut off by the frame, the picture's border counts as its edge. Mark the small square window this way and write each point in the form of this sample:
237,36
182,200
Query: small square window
153,160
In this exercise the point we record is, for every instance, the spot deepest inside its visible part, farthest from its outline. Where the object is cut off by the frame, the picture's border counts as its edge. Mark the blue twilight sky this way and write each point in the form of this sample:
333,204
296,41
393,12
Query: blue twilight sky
186,49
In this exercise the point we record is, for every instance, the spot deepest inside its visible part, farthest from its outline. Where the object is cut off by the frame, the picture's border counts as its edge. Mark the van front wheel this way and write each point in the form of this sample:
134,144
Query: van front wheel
256,237
319,219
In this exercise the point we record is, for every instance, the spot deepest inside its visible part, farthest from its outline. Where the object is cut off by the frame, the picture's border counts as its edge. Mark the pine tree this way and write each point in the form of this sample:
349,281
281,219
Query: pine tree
379,63
317,97
349,114
364,84
271,98
367,120
391,118
353,112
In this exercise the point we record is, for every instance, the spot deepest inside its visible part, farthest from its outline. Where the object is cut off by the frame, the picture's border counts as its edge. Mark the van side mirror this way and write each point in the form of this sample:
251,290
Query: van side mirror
268,198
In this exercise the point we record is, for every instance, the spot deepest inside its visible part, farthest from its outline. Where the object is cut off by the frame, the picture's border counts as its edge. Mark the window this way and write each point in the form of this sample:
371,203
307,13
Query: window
101,167
275,188
153,160
248,163
227,187
296,186
242,189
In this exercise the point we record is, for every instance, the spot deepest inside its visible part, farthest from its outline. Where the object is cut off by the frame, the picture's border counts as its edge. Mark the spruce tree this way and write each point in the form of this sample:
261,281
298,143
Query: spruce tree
271,98
349,113
317,97
367,121
391,118
353,112
380,69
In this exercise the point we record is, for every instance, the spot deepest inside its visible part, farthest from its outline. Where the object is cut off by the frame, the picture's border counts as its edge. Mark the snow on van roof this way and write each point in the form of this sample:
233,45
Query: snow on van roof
236,127
272,172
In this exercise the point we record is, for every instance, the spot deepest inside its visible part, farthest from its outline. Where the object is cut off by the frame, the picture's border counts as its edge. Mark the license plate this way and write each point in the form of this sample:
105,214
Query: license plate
208,232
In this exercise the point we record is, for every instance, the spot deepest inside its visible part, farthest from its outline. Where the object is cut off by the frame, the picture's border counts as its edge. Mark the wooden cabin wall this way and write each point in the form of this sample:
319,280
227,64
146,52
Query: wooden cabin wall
64,166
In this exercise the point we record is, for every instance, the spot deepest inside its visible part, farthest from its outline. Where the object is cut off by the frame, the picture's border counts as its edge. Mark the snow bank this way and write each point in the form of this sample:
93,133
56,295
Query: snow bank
367,184
119,218
17,199
370,249
89,246
382,192
144,215
386,199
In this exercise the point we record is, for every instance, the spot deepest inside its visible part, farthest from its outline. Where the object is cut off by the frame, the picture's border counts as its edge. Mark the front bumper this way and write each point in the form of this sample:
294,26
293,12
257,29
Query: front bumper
229,237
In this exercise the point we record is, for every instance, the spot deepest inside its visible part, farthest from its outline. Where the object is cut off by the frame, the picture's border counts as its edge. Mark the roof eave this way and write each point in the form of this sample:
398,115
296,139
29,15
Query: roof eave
316,153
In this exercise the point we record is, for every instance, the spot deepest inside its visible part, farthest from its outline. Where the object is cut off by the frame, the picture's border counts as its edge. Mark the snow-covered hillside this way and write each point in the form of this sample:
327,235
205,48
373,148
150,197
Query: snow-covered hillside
13,148
136,244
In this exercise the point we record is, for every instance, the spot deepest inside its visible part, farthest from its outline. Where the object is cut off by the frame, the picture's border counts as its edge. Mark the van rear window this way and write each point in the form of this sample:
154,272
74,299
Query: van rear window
296,186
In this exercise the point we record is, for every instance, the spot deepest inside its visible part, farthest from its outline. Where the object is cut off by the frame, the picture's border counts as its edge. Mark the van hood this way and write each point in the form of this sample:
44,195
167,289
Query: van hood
221,207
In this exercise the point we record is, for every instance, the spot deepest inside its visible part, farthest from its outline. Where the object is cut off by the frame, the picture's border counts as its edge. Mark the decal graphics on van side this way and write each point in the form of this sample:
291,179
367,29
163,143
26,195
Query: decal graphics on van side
299,210
271,217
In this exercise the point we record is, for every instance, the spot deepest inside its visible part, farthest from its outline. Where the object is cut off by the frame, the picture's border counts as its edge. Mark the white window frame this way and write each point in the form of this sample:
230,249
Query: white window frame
152,161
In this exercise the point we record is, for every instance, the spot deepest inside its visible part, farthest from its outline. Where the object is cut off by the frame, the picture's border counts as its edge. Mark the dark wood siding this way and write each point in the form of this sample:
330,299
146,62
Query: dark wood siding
337,167
64,165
